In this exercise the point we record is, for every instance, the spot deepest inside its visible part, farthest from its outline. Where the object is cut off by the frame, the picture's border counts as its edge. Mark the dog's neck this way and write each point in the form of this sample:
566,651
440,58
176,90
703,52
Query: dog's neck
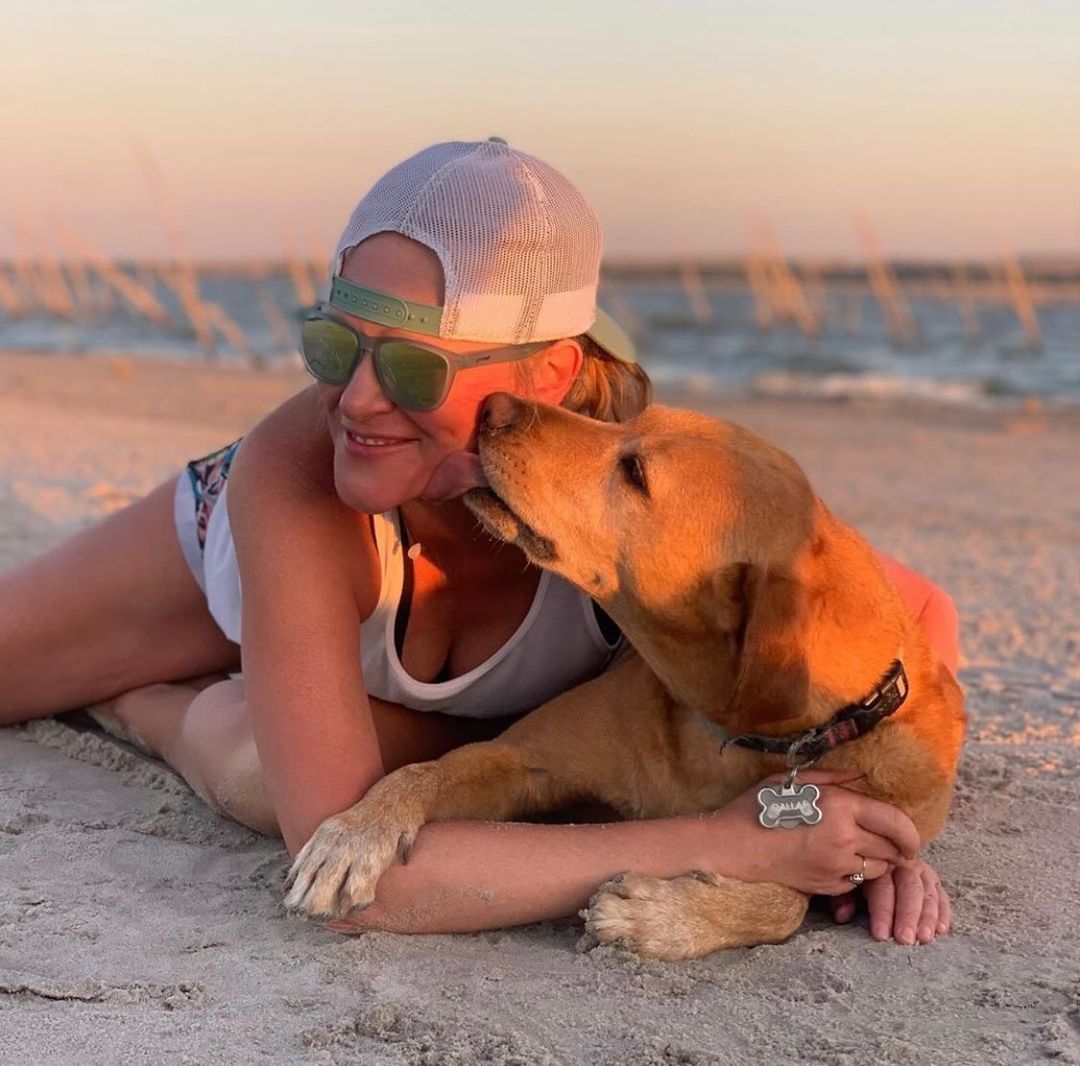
856,623
689,665
846,645
695,669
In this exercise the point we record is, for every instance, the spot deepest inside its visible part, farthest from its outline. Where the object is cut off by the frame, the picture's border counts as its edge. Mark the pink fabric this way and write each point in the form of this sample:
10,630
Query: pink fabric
932,607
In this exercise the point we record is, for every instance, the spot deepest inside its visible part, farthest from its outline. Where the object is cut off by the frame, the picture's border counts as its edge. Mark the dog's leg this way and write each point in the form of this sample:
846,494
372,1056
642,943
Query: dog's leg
338,868
690,916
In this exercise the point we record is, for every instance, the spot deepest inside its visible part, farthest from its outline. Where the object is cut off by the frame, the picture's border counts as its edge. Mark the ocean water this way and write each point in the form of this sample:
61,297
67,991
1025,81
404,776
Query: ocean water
853,357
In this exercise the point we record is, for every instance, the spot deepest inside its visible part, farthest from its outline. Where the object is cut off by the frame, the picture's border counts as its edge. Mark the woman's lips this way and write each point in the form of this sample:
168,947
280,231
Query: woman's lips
374,445
454,476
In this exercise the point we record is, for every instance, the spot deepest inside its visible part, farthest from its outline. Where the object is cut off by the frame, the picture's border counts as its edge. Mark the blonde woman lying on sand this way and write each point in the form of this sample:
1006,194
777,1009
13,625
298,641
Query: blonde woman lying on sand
468,269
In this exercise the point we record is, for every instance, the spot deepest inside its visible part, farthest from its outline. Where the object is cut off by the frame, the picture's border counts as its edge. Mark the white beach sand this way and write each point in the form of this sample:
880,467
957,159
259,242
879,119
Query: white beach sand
137,926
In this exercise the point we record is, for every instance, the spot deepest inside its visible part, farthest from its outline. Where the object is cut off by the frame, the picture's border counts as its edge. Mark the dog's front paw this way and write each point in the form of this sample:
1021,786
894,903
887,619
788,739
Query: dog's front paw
649,915
338,868
690,916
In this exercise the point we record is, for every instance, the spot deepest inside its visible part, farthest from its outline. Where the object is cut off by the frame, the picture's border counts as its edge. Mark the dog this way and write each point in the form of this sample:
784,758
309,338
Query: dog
755,616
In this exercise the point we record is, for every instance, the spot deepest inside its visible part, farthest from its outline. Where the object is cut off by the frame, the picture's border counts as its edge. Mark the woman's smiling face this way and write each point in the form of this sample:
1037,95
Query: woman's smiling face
385,455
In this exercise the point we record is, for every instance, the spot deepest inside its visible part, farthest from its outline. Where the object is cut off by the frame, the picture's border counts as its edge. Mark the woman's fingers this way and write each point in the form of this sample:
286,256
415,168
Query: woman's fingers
876,869
944,923
889,822
928,917
876,817
874,846
881,903
910,904
909,900
872,870
843,907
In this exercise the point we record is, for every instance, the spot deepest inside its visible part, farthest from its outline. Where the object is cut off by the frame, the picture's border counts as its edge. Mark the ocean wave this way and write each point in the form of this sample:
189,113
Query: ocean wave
965,392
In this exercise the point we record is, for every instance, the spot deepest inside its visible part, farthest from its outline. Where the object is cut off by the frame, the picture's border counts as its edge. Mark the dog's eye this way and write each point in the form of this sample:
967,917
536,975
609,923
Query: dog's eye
633,469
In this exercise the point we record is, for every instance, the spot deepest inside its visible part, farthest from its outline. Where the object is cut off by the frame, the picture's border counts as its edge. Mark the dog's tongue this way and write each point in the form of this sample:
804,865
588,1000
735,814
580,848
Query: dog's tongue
456,474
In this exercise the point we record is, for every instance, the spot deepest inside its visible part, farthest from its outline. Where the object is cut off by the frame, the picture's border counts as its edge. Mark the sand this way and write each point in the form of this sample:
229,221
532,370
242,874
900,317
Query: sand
136,925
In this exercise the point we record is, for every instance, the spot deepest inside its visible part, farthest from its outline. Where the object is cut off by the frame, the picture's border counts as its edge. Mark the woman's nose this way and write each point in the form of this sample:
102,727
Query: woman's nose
363,395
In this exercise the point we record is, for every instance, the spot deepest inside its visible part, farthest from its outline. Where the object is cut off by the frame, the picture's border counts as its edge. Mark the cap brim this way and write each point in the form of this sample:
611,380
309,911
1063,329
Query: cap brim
610,336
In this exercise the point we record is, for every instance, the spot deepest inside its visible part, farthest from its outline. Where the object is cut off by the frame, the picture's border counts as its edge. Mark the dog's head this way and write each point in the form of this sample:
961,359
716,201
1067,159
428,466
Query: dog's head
688,530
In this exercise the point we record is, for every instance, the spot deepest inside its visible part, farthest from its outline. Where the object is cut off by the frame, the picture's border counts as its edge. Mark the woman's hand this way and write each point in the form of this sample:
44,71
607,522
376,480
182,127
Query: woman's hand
819,859
908,903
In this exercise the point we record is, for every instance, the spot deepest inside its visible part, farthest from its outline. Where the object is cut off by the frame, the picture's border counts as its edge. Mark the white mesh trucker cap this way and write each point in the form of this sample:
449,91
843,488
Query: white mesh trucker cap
519,245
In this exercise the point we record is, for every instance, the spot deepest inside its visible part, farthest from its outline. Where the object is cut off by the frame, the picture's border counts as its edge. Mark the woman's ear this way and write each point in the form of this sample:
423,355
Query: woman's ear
554,369
772,675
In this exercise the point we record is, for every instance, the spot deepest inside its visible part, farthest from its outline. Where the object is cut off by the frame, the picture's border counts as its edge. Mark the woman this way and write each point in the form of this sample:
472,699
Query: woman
467,269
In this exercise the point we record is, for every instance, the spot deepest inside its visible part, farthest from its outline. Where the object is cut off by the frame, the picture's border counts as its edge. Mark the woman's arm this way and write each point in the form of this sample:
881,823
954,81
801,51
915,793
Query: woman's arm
302,560
464,876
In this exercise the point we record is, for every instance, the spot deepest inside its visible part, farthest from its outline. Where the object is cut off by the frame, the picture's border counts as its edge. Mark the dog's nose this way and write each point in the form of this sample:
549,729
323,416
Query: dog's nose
501,411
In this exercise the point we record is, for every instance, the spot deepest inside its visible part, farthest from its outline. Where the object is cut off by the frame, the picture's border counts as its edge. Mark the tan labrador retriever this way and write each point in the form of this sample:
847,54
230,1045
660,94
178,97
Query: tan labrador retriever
750,607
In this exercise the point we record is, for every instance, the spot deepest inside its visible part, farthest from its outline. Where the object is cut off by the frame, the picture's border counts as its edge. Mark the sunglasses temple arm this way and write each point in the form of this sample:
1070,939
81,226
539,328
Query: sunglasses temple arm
509,354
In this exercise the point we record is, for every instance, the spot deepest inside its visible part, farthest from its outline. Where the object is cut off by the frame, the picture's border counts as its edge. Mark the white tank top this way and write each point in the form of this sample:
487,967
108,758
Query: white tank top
558,645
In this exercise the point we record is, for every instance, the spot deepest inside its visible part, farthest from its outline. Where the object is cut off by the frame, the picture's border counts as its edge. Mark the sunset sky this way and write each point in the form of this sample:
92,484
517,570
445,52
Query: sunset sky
954,126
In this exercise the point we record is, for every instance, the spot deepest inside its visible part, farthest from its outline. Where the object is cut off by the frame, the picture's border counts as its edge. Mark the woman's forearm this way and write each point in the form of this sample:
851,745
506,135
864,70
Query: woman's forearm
465,876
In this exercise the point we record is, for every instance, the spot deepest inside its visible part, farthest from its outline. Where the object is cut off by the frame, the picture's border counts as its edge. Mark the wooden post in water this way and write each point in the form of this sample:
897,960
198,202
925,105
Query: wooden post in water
318,262
24,274
757,277
10,302
854,313
961,285
298,269
140,300
216,317
52,291
281,334
694,288
788,295
814,285
1020,296
898,317
63,299
92,299
75,268
104,296
184,278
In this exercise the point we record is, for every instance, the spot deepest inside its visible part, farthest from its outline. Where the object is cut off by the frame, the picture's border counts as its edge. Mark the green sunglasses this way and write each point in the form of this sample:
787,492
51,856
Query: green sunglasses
414,376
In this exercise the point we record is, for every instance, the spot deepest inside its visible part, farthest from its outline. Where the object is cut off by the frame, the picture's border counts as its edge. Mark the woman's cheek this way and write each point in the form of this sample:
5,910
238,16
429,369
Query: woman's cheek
328,397
450,427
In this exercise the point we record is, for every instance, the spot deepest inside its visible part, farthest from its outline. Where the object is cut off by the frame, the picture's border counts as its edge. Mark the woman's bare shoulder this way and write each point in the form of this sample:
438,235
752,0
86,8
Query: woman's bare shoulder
291,446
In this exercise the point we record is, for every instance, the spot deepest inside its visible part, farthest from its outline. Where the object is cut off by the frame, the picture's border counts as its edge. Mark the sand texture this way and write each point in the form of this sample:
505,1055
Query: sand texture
135,925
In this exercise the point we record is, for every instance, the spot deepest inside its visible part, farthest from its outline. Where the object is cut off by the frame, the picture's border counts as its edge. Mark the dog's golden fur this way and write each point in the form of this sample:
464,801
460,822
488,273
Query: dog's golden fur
747,602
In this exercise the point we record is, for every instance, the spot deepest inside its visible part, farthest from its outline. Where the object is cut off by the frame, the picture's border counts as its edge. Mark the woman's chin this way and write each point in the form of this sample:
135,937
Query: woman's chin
371,495
368,501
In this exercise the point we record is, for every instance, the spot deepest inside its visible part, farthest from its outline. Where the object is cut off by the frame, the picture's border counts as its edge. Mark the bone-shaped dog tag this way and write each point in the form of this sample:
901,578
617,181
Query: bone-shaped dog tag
789,807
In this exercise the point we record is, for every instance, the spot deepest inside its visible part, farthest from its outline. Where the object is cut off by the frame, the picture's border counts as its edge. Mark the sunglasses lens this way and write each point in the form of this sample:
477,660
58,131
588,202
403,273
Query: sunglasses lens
329,350
413,377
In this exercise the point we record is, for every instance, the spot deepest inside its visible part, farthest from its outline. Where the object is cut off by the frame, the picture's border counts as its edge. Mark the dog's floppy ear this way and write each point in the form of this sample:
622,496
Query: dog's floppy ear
772,675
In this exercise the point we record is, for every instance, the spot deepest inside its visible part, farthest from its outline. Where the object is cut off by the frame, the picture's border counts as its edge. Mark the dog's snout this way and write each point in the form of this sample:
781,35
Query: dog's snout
501,411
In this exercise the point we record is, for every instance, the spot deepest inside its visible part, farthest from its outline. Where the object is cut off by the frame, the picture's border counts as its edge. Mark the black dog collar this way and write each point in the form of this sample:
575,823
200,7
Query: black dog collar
849,723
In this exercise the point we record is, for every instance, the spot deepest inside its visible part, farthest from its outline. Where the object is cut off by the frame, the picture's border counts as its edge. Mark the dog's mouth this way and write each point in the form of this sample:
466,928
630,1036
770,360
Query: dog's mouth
503,523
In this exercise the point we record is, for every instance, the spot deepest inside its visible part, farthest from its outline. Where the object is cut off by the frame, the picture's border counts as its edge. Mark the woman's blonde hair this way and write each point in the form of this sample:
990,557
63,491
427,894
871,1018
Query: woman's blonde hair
606,388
